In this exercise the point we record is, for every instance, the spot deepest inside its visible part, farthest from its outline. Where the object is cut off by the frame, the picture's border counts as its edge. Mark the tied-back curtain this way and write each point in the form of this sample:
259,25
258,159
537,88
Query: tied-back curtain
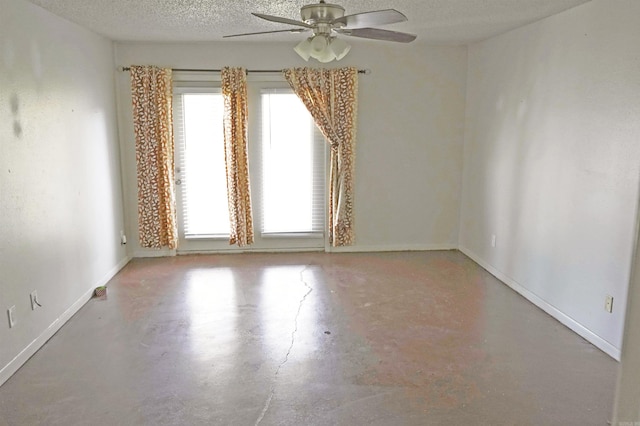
234,92
331,96
151,93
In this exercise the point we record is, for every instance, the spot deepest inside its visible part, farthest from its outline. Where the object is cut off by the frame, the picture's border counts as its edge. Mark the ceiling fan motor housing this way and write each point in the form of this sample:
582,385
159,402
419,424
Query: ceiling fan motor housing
321,13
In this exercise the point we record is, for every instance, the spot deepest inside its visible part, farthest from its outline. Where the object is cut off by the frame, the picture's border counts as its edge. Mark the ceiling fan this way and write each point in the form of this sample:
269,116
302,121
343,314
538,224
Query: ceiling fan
326,20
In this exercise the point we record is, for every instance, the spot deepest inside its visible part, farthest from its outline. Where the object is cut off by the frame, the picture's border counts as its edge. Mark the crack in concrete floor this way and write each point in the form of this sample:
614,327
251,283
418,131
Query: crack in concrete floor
286,357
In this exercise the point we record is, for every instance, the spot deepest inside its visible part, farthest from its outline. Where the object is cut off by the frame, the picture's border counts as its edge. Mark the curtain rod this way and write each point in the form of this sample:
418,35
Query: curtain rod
365,71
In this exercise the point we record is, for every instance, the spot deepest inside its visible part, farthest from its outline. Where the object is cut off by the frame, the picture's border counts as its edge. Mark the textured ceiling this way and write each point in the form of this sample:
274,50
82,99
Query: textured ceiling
434,21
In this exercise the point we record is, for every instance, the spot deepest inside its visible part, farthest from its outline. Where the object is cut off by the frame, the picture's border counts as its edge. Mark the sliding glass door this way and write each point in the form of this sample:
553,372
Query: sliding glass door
287,157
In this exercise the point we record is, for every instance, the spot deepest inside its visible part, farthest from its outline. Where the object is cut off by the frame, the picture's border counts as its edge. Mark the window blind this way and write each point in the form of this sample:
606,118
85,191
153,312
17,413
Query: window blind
292,166
200,163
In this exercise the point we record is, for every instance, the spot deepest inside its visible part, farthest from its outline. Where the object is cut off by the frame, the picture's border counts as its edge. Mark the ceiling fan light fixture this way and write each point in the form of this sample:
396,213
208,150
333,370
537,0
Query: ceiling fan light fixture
319,44
339,47
323,48
325,56
304,49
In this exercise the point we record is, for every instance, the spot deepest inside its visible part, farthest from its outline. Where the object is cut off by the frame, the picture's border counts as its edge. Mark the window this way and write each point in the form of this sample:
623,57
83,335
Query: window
292,166
286,166
201,167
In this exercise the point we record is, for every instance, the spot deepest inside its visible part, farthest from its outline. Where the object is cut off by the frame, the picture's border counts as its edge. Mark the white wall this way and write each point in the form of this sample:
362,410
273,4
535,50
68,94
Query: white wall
60,189
627,406
410,137
551,162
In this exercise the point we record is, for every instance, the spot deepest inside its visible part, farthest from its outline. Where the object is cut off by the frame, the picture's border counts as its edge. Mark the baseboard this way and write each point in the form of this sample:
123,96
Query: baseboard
345,249
14,365
566,320
259,250
154,253
392,247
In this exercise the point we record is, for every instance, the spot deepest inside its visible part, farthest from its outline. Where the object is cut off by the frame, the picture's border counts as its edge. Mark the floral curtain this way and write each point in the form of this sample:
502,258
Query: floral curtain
151,93
331,96
234,92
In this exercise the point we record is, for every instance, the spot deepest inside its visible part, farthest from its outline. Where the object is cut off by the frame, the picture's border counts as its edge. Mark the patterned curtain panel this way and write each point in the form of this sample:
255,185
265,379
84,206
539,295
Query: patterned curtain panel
234,92
151,92
331,96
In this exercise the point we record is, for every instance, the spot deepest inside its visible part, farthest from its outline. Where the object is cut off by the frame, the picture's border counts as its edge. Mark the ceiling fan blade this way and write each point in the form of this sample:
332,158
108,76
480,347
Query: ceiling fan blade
281,20
371,19
376,34
290,30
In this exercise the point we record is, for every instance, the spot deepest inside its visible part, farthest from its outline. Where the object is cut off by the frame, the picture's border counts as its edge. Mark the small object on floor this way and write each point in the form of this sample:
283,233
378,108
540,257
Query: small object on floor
100,292
327,332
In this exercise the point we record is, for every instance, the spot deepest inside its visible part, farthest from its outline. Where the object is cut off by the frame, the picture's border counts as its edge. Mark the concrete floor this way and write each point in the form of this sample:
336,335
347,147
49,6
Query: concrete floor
423,338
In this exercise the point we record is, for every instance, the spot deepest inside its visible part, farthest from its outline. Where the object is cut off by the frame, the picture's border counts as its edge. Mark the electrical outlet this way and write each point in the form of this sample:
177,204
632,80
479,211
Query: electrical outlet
34,300
123,238
608,304
493,240
12,316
